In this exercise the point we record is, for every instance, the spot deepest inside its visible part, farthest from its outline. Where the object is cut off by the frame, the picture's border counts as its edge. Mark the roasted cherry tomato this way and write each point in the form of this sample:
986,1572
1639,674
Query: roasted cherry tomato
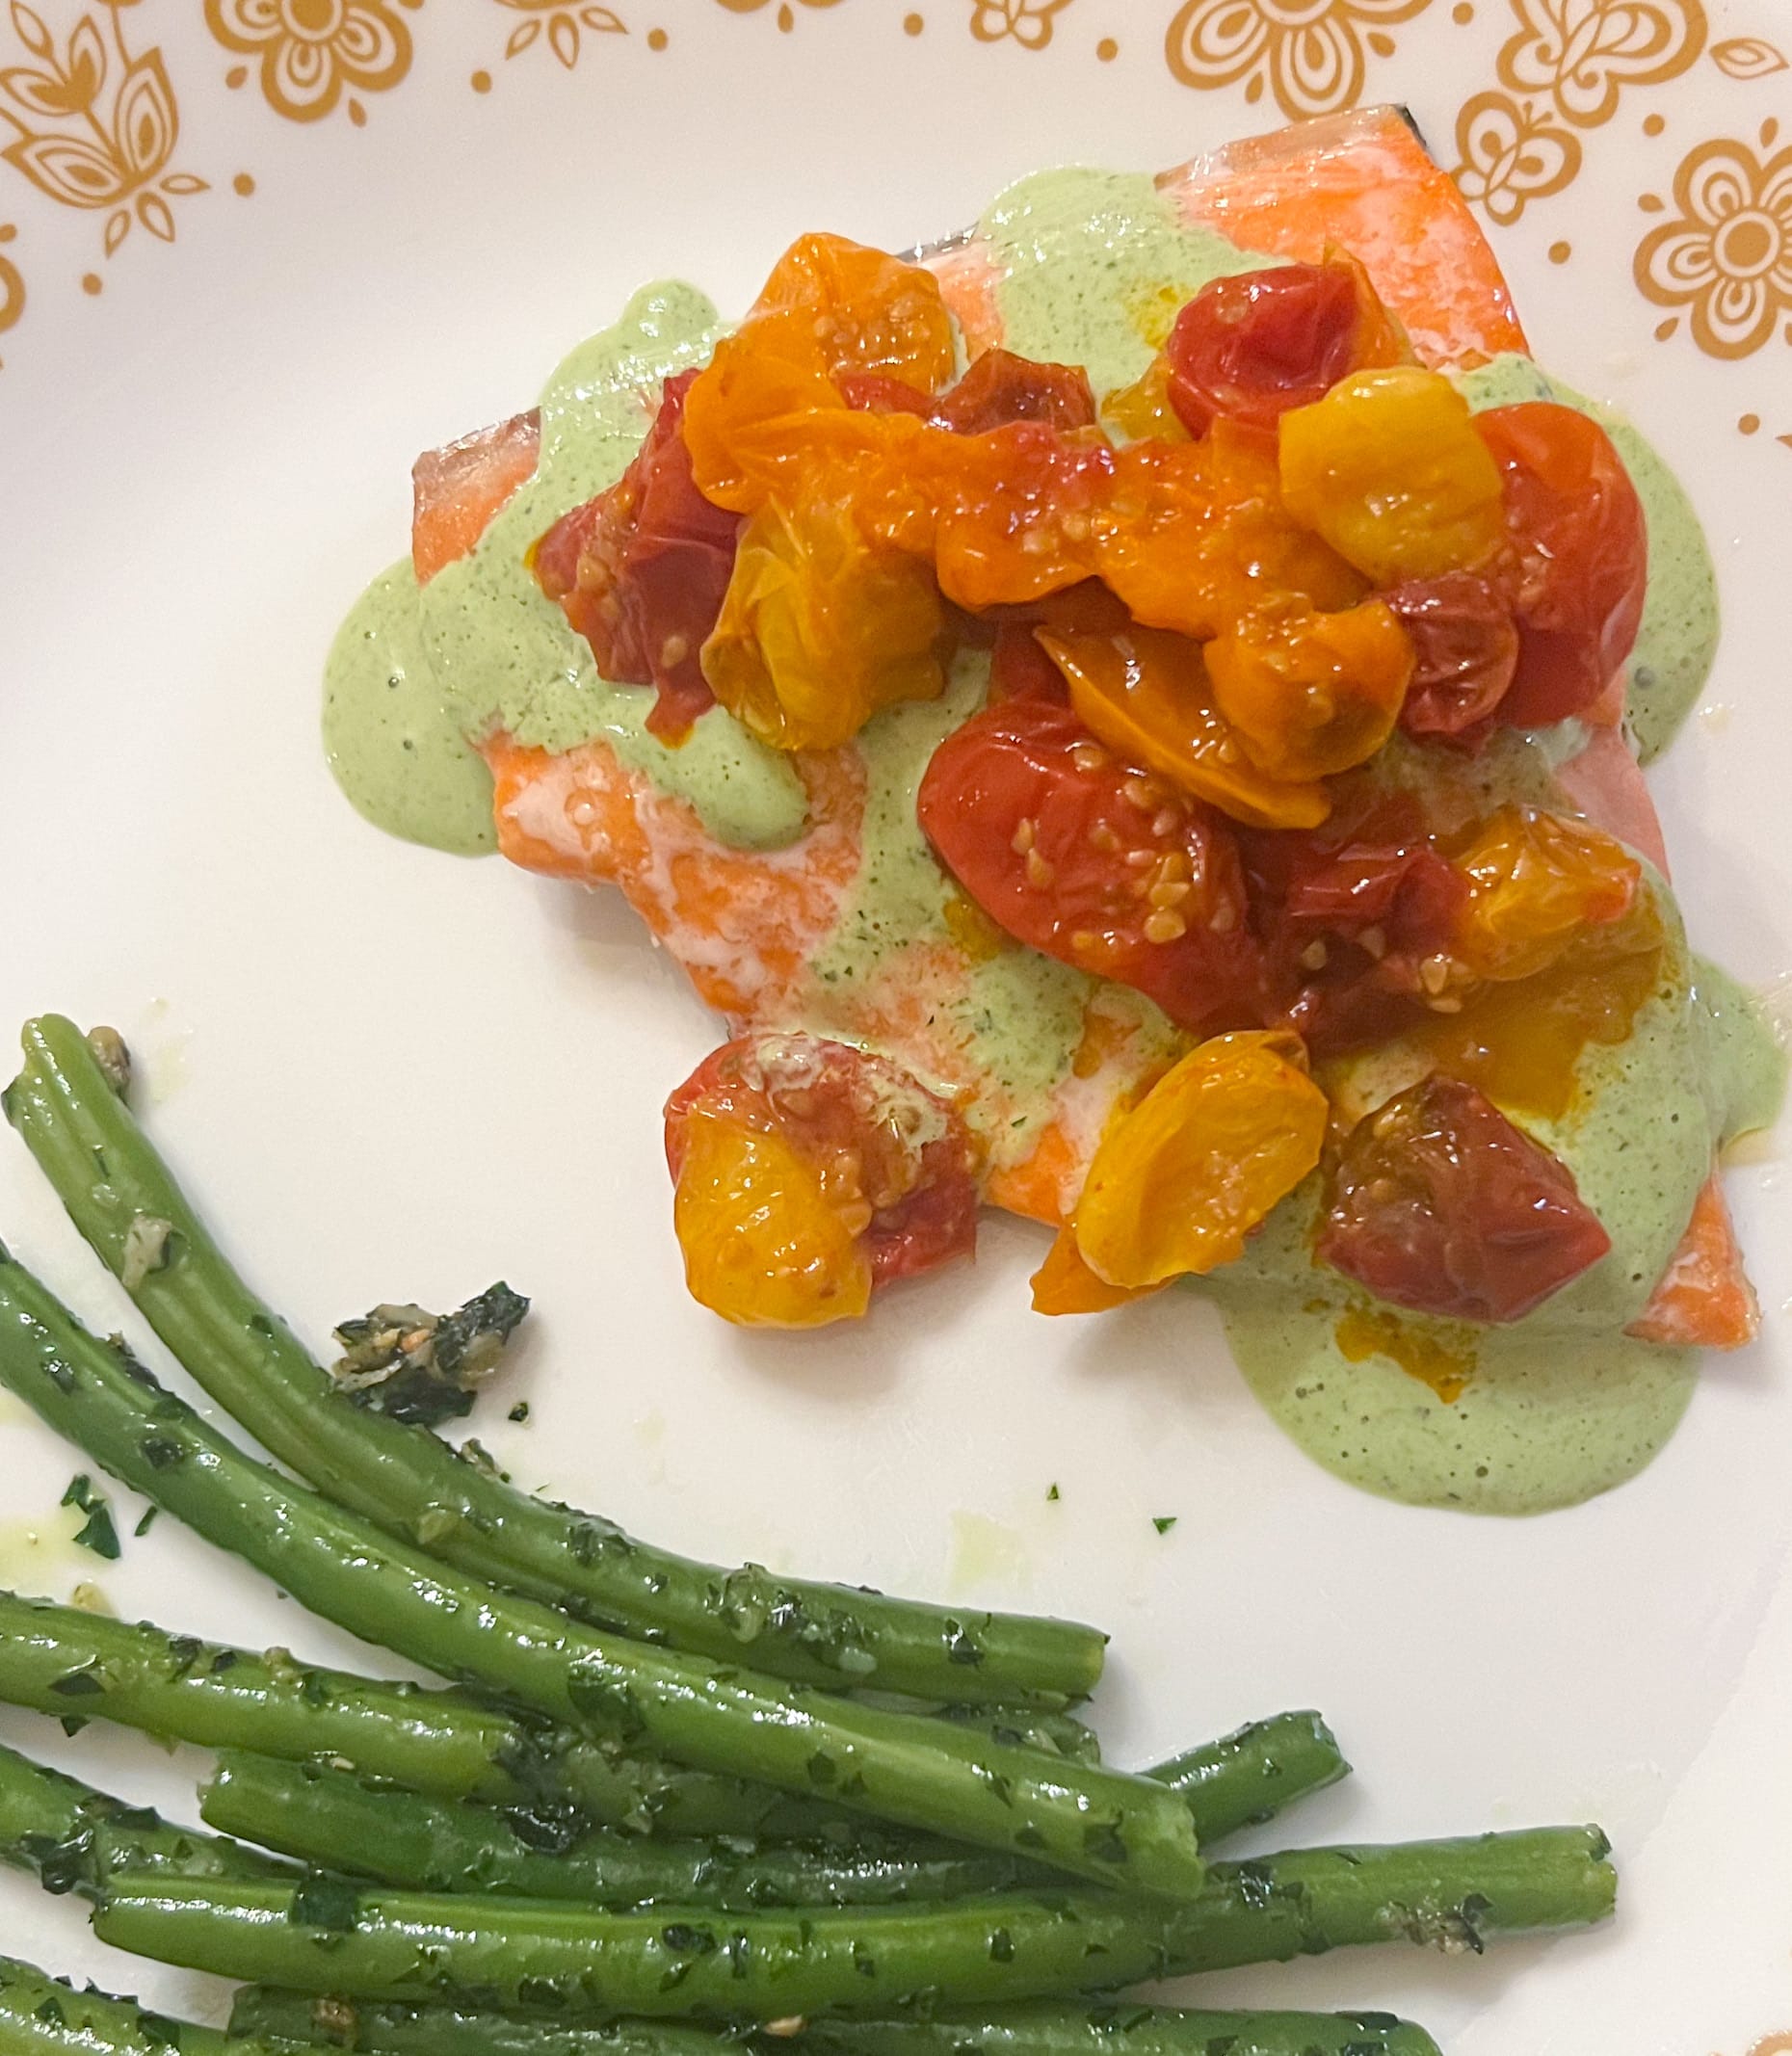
998,388
1442,1205
1581,541
1147,695
640,571
1021,669
1465,651
1252,346
1311,694
1081,855
1387,467
1537,884
763,1244
1064,1284
851,308
821,628
1143,410
894,1162
1181,1179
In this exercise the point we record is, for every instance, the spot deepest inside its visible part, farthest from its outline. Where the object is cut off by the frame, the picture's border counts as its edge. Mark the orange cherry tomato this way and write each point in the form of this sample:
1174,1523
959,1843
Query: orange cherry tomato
1310,695
1181,1179
851,308
1147,695
1387,467
1141,411
821,628
1063,1283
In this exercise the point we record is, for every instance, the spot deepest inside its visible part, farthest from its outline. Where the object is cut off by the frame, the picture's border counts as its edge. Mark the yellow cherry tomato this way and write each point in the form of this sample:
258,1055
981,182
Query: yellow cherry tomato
1063,1283
820,627
1389,469
1181,1179
1311,694
1146,694
1538,883
762,1246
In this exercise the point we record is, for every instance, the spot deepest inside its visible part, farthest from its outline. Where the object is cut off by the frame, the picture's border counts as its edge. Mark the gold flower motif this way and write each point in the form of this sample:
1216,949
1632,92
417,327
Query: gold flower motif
1511,155
1308,52
1582,53
786,16
1748,57
12,284
311,51
1728,255
562,23
93,126
1028,21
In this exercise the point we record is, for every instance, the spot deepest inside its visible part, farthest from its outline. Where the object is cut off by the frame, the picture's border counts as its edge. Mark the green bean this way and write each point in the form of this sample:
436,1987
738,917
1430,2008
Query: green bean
449,1746
919,1773
123,1199
72,1838
1254,1773
372,1943
399,2028
39,2015
1109,2028
339,1823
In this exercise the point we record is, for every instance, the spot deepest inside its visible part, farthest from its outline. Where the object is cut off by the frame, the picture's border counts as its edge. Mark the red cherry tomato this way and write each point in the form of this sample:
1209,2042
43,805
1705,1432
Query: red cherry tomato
640,571
1252,346
1097,864
1580,541
1441,1205
896,1160
1020,669
1465,650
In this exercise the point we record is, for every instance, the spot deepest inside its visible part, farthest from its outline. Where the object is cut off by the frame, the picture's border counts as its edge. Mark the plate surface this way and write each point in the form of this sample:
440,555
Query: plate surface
332,232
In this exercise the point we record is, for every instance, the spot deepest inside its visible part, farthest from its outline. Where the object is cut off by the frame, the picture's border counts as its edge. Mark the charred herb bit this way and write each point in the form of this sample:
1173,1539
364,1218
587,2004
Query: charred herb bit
1052,1492
99,1534
519,1412
424,1368
330,1904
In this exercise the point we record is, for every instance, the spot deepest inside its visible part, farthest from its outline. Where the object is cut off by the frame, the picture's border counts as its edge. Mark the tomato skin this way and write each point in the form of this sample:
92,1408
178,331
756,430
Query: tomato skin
909,1166
1466,652
1441,1205
999,389
1064,846
640,571
1580,545
1019,668
1252,346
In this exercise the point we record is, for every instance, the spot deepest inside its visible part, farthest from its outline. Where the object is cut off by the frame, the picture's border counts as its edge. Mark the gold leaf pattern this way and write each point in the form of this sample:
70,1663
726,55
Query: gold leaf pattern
12,284
562,21
1582,53
1511,155
1028,22
785,15
1727,254
1309,53
313,51
1748,57
95,128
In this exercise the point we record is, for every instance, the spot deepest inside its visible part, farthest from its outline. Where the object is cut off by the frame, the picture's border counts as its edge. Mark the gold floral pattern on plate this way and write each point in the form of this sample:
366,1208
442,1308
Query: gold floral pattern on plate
1511,155
12,284
1727,253
94,127
1027,22
786,16
312,53
1748,56
560,26
1581,54
1311,54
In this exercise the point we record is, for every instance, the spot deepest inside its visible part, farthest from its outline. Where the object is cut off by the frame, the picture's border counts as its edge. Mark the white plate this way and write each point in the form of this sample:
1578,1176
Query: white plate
389,1073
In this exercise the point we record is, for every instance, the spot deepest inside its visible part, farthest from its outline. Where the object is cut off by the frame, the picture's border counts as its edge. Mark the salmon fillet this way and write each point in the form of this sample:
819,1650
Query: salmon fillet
745,925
